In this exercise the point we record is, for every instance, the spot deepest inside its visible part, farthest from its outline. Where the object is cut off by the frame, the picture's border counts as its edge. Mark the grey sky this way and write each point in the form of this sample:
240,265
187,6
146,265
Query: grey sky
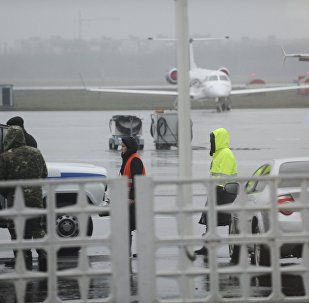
19,19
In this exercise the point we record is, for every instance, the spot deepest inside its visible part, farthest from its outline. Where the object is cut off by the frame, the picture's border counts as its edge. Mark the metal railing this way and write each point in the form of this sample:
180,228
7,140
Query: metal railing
165,221
250,277
117,241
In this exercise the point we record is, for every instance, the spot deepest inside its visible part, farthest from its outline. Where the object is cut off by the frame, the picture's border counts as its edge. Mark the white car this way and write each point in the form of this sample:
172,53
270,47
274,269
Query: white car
258,193
66,195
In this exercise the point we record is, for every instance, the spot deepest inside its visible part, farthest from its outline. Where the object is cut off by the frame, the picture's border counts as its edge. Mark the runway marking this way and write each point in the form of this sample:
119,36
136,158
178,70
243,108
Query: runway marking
287,139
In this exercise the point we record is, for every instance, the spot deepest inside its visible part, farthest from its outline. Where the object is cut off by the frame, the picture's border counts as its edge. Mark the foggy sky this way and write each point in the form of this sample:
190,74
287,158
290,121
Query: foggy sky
21,19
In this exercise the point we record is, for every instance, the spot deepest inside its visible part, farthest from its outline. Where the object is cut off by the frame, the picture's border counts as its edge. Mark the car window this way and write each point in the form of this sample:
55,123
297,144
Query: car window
253,185
260,185
293,168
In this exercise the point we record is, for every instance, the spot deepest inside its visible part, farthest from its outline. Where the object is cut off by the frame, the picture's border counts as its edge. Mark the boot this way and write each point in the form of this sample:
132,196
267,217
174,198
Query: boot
202,251
42,260
42,264
28,259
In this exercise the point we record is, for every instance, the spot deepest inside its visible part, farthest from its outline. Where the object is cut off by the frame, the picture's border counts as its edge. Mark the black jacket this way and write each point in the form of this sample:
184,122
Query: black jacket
136,169
30,141
19,121
136,163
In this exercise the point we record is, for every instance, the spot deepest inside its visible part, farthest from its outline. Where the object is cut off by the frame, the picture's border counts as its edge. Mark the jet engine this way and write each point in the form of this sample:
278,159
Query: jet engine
224,70
171,76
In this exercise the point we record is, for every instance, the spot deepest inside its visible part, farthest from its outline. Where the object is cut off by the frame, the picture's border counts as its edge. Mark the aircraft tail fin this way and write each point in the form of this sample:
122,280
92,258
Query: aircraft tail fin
191,40
192,59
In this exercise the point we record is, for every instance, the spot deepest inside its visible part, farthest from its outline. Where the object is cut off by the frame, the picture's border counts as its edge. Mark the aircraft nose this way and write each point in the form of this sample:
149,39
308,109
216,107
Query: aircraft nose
219,90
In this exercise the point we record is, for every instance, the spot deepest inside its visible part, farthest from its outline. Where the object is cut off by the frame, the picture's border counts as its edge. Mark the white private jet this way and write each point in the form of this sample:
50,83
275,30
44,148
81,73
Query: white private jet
204,84
301,57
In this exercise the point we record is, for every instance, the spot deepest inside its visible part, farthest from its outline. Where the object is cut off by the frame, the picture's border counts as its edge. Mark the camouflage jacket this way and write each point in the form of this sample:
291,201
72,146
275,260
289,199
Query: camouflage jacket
18,162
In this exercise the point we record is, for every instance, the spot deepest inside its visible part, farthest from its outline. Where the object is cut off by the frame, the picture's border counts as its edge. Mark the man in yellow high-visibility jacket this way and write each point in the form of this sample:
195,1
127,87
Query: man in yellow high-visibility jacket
223,164
223,160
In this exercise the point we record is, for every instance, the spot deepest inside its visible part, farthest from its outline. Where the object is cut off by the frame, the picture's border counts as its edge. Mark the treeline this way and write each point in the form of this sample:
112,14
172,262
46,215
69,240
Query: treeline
58,61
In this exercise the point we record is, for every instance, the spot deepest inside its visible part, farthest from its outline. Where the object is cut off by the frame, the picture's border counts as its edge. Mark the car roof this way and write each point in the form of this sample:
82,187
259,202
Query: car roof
276,163
295,159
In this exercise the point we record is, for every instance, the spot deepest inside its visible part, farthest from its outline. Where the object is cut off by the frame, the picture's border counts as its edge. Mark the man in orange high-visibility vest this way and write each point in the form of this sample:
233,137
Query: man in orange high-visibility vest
132,165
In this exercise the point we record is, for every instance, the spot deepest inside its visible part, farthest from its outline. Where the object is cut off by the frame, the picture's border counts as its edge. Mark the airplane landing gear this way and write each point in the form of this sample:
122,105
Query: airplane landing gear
219,107
228,104
175,104
223,104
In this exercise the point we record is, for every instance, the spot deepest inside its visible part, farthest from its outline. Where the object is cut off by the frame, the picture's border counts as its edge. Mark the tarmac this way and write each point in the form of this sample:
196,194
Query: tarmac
79,136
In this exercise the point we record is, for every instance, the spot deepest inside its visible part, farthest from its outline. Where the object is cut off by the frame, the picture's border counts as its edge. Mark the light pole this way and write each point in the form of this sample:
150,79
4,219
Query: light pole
184,141
184,106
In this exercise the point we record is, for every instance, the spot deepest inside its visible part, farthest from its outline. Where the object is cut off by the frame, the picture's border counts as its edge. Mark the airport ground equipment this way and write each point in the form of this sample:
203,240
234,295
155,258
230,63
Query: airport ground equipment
125,125
164,129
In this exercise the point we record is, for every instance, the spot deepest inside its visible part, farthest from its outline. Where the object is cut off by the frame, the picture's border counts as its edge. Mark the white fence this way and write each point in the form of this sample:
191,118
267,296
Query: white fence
249,277
117,273
165,247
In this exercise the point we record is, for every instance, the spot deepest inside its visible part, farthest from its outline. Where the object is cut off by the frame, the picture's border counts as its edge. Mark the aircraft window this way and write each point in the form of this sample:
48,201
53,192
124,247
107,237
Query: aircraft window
213,78
223,78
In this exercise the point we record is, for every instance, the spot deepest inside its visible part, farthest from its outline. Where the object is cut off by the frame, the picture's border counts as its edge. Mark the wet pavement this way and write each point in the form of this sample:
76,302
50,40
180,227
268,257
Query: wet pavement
99,287
256,135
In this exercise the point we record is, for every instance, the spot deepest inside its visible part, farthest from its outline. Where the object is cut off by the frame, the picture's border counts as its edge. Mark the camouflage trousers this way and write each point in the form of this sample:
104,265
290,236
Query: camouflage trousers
33,230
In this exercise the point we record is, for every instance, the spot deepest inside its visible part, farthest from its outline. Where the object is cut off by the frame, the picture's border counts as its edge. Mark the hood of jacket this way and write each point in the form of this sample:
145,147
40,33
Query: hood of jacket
14,138
222,138
131,145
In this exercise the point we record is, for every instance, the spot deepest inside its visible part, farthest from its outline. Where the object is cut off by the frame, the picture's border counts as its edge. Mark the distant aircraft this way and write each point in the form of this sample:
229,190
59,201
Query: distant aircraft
204,84
301,57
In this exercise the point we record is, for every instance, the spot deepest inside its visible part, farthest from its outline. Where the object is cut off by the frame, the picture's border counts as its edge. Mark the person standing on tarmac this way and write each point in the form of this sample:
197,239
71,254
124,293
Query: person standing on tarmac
132,165
223,164
19,121
18,162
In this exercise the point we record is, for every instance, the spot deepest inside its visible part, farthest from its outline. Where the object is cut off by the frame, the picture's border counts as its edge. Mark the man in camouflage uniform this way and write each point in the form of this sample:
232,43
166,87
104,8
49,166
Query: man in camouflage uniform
20,161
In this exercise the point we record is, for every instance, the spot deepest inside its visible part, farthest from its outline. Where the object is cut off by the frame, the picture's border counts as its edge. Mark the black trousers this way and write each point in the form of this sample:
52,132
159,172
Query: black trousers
222,198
